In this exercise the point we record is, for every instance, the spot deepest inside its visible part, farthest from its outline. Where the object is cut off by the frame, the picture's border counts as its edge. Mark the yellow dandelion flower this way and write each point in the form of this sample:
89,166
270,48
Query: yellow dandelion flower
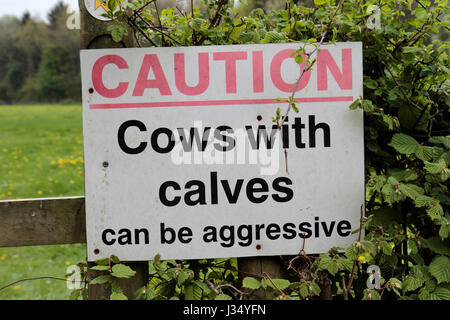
392,246
40,192
67,263
361,258
53,162
73,161
16,287
60,162
72,182
3,257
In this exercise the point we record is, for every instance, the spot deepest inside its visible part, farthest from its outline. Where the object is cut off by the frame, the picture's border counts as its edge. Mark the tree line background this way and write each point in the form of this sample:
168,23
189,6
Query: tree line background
39,60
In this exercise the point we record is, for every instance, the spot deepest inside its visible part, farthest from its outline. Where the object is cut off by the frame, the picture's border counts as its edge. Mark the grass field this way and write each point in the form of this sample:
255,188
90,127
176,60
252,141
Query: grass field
41,155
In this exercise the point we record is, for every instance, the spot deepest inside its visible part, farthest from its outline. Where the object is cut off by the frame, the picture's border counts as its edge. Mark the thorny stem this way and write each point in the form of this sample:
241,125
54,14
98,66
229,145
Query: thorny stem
273,283
40,278
291,98
346,288
305,69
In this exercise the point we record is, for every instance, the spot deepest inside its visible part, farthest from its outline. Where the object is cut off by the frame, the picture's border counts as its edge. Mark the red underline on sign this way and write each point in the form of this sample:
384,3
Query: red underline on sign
211,103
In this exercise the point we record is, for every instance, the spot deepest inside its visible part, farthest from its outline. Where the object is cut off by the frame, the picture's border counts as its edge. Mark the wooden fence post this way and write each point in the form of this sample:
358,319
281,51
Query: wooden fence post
94,35
260,267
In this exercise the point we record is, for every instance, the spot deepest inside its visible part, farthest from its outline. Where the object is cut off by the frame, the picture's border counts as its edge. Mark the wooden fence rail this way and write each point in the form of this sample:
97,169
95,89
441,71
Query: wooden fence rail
48,221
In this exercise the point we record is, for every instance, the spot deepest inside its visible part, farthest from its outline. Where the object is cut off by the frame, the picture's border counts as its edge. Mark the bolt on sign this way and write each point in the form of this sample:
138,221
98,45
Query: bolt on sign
182,156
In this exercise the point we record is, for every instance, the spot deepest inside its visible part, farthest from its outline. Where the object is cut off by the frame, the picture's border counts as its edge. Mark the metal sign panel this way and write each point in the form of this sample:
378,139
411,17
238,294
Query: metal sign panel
182,157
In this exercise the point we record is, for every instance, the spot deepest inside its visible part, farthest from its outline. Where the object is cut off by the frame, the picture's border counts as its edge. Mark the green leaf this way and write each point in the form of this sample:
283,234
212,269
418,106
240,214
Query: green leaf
273,37
390,121
182,277
206,289
246,37
345,264
444,231
75,294
279,283
369,247
118,296
435,212
223,297
440,293
157,262
437,245
304,290
315,289
435,168
251,283
101,279
386,248
299,59
370,83
102,262
371,295
320,2
410,190
115,259
122,271
367,105
100,268
118,31
411,283
112,4
404,144
440,269
324,261
197,23
445,141
403,175
355,104
411,49
352,252
423,201
333,268
424,153
192,292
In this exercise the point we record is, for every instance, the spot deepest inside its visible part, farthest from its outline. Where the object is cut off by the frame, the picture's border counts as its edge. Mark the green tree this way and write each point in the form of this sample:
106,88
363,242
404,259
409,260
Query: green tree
57,78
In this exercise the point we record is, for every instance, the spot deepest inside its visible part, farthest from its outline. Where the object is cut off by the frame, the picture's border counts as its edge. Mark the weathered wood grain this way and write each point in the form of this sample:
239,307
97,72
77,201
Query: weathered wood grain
47,221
